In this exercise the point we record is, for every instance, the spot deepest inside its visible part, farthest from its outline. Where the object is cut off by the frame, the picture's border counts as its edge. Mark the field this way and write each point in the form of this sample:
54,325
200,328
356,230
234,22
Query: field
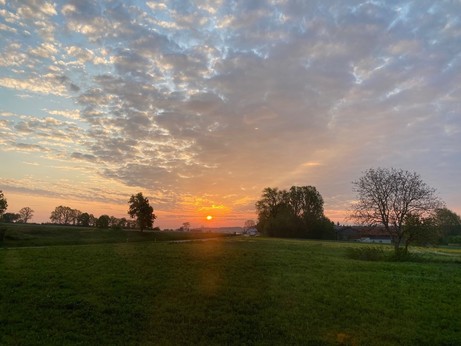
45,235
239,291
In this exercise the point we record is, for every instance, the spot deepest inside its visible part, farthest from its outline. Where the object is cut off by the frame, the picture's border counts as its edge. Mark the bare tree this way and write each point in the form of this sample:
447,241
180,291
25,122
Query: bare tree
26,214
249,224
389,197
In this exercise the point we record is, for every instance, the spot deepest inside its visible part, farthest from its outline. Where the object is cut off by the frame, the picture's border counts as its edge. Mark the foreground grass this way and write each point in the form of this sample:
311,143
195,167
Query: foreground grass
226,291
45,235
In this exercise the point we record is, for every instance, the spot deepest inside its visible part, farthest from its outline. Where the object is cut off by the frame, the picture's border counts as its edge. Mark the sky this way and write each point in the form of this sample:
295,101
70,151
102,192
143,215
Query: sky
201,105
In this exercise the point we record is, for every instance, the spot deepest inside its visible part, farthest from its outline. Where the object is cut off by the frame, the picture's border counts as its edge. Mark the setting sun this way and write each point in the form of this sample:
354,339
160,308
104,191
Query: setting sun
209,217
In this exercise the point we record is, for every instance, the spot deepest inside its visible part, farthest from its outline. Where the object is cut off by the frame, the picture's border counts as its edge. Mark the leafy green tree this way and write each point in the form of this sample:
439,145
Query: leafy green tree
270,202
93,221
63,215
294,213
116,223
103,221
3,203
74,216
83,219
268,208
26,214
122,223
10,217
420,230
448,223
307,205
391,197
142,211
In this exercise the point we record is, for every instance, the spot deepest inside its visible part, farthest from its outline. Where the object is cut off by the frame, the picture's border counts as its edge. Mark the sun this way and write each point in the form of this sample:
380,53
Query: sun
209,217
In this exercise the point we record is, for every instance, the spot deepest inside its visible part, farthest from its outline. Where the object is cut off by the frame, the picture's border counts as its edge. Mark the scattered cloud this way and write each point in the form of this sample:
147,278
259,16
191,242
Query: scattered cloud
223,98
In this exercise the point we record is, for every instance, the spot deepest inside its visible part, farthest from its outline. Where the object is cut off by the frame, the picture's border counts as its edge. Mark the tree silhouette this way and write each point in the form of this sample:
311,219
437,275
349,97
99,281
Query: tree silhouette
391,197
142,211
3,203
26,214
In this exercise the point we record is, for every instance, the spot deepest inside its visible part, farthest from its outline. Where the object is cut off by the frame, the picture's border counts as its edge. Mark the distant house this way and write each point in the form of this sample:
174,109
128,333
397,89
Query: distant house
347,233
251,232
380,240
363,234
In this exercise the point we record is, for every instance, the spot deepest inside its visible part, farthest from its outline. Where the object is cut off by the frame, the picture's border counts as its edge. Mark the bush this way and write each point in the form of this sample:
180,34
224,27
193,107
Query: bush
366,253
401,255
378,254
456,239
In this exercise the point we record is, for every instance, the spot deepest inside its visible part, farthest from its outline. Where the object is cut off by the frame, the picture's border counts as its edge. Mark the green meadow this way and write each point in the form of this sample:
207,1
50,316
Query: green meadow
225,291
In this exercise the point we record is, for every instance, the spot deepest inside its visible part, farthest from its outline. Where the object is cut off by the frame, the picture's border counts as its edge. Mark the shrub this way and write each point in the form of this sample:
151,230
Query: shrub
456,239
378,254
402,255
366,253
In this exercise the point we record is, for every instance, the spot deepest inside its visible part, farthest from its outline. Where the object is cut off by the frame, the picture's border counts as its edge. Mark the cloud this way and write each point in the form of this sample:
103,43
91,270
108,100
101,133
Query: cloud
217,97
45,50
4,27
36,9
72,114
85,55
48,84
25,147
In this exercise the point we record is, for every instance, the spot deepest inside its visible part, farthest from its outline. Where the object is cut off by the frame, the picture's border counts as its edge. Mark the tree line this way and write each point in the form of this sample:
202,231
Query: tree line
397,200
64,215
140,211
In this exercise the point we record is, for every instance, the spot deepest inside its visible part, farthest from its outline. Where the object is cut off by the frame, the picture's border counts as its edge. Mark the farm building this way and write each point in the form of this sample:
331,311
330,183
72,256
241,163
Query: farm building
363,234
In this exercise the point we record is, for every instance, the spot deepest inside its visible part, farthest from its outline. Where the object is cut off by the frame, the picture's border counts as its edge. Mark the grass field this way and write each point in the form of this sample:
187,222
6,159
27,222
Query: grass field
228,291
45,235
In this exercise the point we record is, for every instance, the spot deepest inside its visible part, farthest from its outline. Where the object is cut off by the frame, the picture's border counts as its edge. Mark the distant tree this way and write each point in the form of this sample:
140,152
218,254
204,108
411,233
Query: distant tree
249,224
10,217
142,211
122,223
3,203
306,204
130,224
271,201
419,230
294,213
116,223
448,223
26,214
63,215
186,226
103,221
74,216
93,221
83,220
56,215
391,197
